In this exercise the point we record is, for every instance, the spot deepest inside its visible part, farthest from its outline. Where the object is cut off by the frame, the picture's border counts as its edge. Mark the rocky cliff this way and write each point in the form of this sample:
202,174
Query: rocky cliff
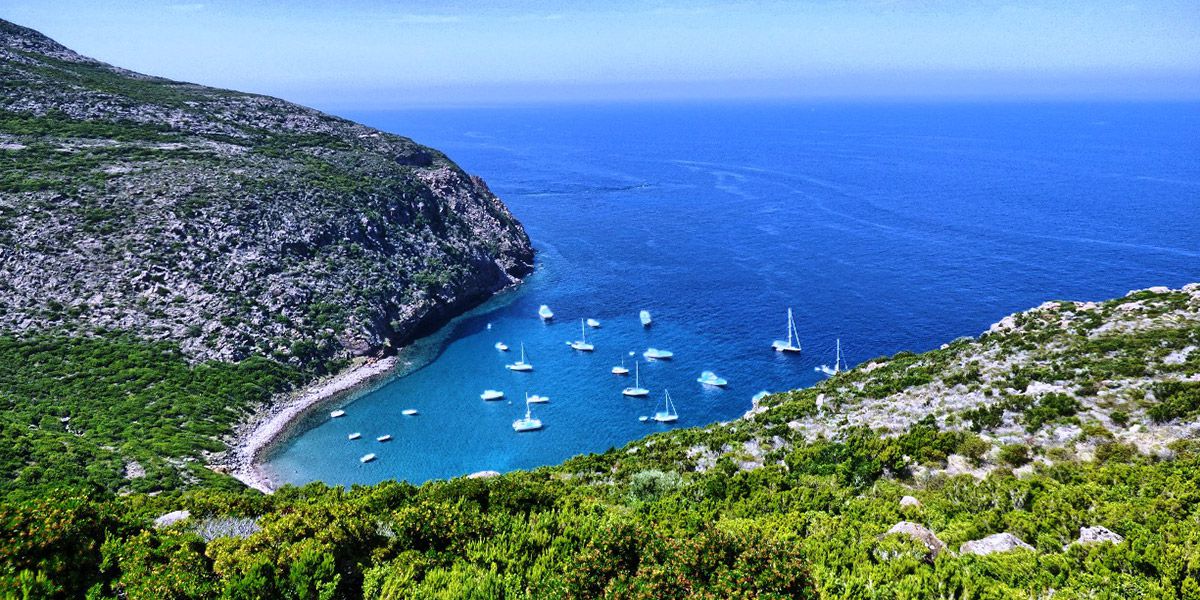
231,223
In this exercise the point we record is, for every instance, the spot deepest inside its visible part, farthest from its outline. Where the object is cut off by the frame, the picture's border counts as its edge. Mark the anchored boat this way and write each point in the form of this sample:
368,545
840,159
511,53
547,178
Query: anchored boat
520,365
528,423
582,344
668,413
637,390
545,313
793,342
710,378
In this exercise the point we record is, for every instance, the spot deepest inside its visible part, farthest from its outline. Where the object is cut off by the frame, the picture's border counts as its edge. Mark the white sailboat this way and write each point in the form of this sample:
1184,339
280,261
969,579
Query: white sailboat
793,342
637,391
501,346
520,365
545,313
594,324
645,317
838,362
656,354
710,378
621,369
528,423
668,413
582,344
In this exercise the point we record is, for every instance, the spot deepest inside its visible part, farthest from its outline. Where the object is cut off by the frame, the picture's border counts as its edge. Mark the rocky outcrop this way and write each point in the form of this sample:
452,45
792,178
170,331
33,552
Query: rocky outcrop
999,542
921,534
231,223
1098,535
171,518
909,502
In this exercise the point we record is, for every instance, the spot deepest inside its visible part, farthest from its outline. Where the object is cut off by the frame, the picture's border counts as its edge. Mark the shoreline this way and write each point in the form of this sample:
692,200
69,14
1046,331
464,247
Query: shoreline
269,424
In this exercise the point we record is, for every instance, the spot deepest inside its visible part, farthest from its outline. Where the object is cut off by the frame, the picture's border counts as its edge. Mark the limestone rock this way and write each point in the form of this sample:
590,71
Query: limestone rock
483,475
999,542
909,501
171,518
919,533
1098,534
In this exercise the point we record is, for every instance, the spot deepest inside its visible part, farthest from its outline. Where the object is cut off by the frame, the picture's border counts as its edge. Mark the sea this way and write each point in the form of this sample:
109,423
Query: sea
889,227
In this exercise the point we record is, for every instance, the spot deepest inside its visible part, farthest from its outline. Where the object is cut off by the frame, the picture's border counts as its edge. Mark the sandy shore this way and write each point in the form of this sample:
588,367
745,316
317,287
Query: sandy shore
265,428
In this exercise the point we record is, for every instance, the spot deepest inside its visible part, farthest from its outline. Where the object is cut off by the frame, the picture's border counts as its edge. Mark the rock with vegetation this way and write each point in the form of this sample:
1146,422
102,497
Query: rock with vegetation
231,224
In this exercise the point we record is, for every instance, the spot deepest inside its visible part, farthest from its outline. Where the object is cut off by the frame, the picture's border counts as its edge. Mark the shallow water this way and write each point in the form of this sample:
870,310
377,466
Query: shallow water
891,227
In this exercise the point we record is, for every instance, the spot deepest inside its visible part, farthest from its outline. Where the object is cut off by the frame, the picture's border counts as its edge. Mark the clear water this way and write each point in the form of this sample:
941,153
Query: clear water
891,227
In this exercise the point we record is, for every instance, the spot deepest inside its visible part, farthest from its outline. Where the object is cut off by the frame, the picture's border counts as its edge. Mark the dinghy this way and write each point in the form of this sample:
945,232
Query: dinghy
582,344
520,365
491,395
545,313
645,317
337,413
710,378
637,390
367,458
528,423
793,342
656,354
668,413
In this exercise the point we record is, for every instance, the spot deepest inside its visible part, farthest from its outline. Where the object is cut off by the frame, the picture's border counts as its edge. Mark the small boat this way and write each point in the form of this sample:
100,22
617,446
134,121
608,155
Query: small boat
637,391
838,362
409,412
545,313
644,418
354,436
367,458
536,399
710,378
582,344
501,346
656,354
645,317
621,369
668,413
528,423
793,342
491,395
384,438
520,365
337,413
594,324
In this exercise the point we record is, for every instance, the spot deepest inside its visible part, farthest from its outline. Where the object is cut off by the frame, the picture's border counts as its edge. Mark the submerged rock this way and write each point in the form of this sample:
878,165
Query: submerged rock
999,542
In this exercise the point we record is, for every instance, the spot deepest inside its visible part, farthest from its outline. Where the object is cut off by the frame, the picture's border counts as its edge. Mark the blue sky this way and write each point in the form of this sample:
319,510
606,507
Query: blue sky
379,53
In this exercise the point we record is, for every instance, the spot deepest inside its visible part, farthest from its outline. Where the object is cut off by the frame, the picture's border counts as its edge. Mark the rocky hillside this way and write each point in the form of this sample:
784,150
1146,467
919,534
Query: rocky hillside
232,224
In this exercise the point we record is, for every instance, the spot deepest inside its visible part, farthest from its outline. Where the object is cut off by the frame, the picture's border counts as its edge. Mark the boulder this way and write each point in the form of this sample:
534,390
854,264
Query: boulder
483,475
999,542
1097,534
919,533
171,518
909,501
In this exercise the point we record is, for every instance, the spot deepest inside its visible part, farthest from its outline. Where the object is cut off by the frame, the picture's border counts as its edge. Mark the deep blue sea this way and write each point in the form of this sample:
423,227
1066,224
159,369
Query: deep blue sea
891,227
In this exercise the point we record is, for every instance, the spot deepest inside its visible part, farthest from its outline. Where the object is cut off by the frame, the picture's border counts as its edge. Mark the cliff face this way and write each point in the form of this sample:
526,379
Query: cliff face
232,223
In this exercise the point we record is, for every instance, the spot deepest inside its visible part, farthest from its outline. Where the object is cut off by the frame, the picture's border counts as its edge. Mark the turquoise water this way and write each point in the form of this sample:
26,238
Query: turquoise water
891,227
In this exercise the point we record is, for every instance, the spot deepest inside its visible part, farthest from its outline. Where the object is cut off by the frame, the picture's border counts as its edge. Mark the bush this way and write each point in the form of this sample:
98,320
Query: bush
1014,455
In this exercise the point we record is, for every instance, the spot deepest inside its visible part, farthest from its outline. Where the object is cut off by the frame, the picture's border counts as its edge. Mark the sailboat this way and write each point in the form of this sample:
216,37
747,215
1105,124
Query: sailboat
838,362
793,342
545,313
668,413
710,378
637,391
645,317
621,370
520,365
582,343
528,423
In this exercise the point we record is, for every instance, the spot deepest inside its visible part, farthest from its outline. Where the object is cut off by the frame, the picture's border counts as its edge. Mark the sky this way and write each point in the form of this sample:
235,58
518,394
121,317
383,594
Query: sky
371,54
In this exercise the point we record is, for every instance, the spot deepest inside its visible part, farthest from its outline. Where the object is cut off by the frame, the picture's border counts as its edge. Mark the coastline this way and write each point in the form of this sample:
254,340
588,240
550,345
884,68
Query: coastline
270,423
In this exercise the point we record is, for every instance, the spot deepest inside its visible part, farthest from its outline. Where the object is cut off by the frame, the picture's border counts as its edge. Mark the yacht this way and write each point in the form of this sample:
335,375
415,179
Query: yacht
710,378
384,438
528,423
645,318
793,342
409,412
668,413
637,391
545,313
501,346
838,362
582,344
536,399
367,458
354,436
491,395
337,413
656,354
520,365
621,369
594,324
